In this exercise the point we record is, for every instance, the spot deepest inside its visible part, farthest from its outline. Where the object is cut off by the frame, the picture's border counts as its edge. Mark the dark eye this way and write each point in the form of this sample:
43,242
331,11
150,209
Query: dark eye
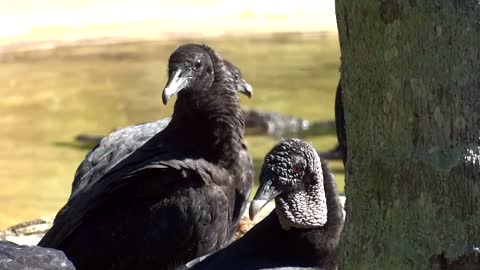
197,65
297,168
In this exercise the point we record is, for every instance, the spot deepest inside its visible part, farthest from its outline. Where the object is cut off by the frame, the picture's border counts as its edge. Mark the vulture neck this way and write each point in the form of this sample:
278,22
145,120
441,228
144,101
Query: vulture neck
209,123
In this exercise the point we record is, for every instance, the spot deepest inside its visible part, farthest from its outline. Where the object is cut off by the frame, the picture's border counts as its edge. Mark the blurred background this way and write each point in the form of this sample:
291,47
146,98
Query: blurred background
70,67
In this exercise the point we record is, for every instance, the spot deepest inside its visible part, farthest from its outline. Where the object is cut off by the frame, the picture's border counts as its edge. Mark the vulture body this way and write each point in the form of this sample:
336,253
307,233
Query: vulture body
340,151
174,198
303,231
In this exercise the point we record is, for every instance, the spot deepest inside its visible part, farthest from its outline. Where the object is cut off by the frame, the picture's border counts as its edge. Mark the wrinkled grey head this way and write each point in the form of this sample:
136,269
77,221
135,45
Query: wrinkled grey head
292,175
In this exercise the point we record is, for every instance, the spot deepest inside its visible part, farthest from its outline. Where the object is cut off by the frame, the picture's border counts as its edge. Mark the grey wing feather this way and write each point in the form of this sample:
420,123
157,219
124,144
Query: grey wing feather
94,194
112,149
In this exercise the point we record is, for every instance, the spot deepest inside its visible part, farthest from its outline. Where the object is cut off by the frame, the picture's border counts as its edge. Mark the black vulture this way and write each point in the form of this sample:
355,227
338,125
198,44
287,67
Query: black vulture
173,199
119,144
303,231
340,151
16,257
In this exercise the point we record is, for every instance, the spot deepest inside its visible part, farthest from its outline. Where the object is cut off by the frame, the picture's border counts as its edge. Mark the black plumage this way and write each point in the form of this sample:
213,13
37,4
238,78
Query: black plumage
16,257
340,151
340,123
173,198
304,230
119,144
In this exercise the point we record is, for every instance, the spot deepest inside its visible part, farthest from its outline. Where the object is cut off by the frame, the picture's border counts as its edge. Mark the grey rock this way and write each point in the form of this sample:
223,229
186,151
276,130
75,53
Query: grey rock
16,257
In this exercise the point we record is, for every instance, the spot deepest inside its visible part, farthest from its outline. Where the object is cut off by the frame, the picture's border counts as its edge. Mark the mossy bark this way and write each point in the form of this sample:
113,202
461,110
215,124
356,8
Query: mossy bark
411,75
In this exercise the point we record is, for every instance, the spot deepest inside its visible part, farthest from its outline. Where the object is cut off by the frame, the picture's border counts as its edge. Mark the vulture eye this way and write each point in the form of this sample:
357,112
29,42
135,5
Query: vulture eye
296,168
197,65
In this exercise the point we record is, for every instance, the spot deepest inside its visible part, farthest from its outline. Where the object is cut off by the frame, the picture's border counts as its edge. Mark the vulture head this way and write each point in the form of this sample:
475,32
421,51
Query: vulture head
191,68
292,175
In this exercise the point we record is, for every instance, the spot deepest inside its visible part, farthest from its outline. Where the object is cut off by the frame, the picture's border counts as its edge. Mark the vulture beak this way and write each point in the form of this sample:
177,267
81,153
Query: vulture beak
265,193
175,84
245,88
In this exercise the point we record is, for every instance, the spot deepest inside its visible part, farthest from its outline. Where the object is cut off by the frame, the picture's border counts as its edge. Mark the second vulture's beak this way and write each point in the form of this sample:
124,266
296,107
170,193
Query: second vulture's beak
245,88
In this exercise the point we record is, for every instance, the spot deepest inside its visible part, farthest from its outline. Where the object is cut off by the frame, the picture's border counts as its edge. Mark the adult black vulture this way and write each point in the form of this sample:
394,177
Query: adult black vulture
303,231
173,199
119,144
16,257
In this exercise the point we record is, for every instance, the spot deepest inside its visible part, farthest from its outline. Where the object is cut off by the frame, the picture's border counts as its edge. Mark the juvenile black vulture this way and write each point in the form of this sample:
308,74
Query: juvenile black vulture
173,199
303,231
16,257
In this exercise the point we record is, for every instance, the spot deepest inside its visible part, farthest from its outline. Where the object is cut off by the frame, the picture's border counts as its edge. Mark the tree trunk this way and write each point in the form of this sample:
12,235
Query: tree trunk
411,75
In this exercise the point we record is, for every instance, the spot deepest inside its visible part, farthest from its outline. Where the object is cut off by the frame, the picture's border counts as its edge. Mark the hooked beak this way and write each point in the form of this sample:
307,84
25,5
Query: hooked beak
265,193
175,84
245,88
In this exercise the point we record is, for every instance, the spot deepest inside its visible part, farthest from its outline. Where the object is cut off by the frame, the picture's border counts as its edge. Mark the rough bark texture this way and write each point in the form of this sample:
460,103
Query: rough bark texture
411,74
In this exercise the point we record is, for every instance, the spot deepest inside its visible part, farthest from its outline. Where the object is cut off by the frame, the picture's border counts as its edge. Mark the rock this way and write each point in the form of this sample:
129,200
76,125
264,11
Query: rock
13,256
28,232
272,123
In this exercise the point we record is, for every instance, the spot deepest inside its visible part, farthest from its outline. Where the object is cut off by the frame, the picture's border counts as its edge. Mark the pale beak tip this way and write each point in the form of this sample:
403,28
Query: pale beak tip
248,89
255,207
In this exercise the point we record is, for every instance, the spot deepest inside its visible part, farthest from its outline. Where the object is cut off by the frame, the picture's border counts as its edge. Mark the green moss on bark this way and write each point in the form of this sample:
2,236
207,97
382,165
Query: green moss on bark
410,70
